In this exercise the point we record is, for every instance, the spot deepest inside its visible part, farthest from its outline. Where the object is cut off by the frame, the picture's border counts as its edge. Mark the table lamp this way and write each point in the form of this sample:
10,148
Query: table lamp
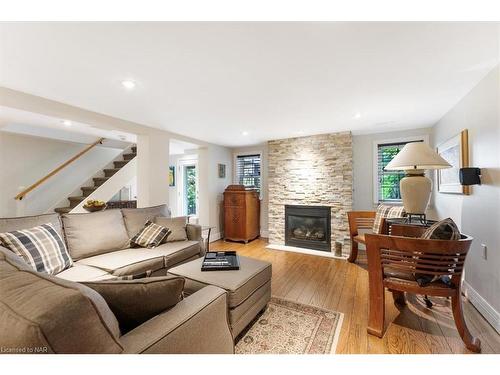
414,158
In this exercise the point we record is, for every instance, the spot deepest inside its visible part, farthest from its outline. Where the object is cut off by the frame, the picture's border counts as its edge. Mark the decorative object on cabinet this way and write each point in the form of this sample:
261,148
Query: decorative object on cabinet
241,214
456,152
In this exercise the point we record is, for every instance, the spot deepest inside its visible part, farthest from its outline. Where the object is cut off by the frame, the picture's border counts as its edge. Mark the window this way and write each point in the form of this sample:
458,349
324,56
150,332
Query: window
248,171
387,186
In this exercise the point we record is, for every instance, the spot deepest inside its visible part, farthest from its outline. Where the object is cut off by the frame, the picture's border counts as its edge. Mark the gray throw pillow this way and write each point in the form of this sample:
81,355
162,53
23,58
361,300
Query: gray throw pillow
177,227
136,301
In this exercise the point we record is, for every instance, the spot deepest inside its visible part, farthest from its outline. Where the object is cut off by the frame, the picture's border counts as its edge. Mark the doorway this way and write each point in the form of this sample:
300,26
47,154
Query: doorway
188,188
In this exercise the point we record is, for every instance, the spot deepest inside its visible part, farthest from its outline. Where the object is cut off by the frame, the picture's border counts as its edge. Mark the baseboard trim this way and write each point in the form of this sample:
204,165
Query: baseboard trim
486,310
300,250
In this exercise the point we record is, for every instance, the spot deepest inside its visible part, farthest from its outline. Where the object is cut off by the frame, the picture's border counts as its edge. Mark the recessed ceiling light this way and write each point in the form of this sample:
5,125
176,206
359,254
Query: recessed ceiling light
128,84
66,123
357,116
244,133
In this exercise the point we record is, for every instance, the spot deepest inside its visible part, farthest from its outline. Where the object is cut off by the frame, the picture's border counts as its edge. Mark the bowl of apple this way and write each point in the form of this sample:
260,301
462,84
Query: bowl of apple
93,205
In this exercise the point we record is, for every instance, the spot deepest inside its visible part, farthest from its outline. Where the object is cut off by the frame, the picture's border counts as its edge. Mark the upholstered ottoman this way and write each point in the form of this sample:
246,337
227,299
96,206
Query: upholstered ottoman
249,288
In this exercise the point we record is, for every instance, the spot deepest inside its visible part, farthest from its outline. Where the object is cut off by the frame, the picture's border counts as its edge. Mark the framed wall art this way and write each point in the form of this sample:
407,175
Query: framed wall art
456,152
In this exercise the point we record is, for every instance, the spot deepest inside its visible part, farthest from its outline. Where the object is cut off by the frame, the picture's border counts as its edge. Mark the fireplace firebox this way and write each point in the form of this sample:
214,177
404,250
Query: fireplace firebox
308,227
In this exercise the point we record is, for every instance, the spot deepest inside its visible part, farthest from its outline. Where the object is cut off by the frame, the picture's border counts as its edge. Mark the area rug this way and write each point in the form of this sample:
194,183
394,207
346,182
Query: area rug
287,327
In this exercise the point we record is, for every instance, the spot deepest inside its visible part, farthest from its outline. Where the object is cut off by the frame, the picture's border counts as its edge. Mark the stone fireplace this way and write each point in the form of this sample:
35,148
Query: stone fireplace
310,171
308,227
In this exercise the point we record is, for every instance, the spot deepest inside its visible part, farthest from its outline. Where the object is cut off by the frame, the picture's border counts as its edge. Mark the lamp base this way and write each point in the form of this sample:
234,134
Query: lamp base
416,192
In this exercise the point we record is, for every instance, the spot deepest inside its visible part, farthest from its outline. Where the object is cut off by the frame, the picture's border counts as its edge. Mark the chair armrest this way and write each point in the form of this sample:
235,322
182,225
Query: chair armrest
360,220
197,324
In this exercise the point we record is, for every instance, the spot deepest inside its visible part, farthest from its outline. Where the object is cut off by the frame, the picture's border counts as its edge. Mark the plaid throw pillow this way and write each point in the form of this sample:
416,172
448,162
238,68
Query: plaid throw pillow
41,247
385,211
150,236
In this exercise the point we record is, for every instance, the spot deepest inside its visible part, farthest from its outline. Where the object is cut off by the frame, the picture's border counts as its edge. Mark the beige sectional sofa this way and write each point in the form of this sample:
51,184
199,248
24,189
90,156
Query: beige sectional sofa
99,242
40,313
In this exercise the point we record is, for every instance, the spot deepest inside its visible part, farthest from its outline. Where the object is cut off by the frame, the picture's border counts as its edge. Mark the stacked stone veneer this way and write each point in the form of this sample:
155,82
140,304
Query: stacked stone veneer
314,170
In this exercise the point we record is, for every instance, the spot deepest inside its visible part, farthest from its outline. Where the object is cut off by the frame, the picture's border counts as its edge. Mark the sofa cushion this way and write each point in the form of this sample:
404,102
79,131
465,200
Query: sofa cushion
150,236
135,218
179,251
18,223
45,312
94,233
135,301
127,262
82,272
176,226
41,247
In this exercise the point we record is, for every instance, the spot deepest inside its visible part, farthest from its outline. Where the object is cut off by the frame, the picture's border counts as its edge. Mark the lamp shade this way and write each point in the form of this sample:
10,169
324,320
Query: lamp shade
417,155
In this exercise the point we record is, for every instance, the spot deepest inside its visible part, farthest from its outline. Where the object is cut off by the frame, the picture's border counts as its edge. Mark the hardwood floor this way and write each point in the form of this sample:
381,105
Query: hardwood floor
342,286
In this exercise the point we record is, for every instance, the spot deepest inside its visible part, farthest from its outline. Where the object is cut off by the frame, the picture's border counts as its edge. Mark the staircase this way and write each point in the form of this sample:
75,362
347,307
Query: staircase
98,181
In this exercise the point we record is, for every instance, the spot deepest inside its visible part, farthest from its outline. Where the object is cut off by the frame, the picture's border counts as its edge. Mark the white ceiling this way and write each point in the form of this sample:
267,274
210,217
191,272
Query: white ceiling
37,125
214,81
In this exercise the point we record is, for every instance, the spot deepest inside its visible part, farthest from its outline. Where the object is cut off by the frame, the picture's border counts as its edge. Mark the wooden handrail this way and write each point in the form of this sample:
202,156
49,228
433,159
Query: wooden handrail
23,193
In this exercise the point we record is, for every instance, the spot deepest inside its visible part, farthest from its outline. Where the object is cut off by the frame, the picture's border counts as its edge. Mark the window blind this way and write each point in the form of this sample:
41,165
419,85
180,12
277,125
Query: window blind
248,171
388,181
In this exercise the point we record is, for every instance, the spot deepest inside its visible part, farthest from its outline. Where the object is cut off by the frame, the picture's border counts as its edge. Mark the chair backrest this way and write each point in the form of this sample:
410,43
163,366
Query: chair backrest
416,255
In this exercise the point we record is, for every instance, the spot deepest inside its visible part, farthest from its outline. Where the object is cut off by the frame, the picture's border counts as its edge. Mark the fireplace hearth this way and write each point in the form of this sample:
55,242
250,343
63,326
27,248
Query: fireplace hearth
308,227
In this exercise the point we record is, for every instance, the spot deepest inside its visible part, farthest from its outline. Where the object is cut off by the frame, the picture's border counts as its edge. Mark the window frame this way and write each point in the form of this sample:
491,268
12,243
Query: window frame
235,169
375,188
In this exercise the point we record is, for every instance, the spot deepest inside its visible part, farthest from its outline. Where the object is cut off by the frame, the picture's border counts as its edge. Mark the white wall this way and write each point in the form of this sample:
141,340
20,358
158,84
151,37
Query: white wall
25,159
264,196
363,163
216,186
152,169
210,186
478,214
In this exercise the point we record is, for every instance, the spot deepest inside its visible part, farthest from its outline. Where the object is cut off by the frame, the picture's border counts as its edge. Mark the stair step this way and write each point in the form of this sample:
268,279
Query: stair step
87,190
98,181
129,156
75,201
120,164
110,172
63,210
134,149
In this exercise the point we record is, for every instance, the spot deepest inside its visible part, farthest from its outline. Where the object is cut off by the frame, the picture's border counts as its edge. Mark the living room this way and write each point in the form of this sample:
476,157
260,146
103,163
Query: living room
250,188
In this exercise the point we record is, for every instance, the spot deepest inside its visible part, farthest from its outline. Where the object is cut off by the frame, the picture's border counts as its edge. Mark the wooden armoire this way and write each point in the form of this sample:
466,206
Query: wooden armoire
241,214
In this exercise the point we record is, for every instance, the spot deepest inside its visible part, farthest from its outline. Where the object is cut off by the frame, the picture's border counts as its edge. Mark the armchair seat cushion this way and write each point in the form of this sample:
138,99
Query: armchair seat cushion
431,288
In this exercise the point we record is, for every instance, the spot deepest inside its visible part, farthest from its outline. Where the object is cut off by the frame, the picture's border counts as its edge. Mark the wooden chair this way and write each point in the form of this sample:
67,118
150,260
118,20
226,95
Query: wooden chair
359,220
394,259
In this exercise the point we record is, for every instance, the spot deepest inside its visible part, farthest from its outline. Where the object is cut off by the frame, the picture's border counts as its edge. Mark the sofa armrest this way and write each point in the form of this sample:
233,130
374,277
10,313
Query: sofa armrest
193,232
197,324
